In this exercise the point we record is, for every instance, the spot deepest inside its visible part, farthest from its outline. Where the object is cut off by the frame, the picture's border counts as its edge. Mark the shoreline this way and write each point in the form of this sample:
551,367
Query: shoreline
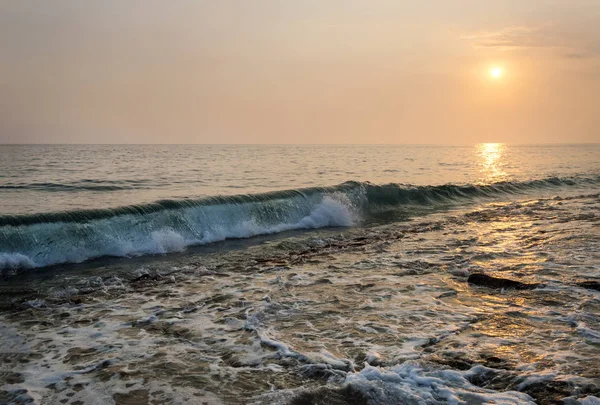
336,316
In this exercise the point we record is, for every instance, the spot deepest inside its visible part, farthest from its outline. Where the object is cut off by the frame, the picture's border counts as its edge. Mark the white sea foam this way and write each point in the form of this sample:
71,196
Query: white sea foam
167,240
131,235
409,383
15,260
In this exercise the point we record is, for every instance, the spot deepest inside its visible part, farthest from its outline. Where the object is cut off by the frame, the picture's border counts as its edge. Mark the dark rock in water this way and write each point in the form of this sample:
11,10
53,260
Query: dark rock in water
457,360
145,278
495,362
329,396
553,392
493,379
592,285
495,282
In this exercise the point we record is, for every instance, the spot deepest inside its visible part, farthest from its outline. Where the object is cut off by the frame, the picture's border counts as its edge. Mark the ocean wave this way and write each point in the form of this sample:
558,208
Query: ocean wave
81,185
38,240
162,231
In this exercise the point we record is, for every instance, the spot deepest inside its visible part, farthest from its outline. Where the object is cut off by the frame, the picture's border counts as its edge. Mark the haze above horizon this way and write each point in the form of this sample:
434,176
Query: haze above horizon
314,72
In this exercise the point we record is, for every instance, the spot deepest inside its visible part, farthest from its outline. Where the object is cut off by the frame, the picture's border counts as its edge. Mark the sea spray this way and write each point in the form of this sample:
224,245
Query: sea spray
165,226
170,230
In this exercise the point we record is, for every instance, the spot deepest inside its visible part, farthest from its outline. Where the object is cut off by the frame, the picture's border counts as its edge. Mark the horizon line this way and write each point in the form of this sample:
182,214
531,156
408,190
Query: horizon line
297,144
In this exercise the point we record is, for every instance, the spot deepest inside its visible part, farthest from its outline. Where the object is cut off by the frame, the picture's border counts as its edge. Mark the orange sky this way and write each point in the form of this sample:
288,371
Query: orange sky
310,71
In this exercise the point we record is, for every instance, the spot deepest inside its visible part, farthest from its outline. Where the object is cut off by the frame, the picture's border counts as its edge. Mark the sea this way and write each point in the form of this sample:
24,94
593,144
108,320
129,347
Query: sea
300,274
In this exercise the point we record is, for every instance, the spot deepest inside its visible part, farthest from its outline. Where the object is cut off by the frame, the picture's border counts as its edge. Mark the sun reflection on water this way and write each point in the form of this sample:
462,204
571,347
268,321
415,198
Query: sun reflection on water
491,161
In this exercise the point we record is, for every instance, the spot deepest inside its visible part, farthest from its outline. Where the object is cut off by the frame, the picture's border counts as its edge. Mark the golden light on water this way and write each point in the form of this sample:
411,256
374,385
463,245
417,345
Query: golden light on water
491,161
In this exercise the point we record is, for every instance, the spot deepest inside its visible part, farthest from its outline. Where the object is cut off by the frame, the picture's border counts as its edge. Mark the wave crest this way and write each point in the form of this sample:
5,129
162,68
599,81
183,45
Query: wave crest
45,239
48,243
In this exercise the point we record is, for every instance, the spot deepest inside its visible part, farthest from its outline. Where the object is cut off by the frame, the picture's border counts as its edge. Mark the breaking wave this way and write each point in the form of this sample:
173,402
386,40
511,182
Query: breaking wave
38,240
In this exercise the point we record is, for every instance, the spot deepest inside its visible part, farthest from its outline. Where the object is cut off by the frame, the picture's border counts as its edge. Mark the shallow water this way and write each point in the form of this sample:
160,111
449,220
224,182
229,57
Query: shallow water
382,313
378,312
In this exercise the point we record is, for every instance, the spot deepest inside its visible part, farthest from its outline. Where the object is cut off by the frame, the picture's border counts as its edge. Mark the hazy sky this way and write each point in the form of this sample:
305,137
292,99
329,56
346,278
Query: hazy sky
299,71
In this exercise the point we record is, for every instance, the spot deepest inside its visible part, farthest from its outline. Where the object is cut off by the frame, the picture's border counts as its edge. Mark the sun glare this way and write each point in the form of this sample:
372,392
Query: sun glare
491,159
496,72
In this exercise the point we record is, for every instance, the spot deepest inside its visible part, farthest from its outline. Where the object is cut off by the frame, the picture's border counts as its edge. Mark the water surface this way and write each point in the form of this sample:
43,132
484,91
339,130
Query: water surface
294,275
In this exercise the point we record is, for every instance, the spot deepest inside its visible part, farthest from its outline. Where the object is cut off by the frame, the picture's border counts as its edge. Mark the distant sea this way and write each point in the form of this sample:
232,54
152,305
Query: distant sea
299,274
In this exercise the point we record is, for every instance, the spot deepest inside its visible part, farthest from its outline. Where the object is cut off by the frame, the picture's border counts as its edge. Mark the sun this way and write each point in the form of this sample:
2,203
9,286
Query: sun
496,72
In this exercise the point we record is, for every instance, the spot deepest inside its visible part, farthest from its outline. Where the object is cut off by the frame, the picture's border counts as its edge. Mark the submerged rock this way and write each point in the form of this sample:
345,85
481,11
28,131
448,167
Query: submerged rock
554,392
500,283
145,277
592,285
